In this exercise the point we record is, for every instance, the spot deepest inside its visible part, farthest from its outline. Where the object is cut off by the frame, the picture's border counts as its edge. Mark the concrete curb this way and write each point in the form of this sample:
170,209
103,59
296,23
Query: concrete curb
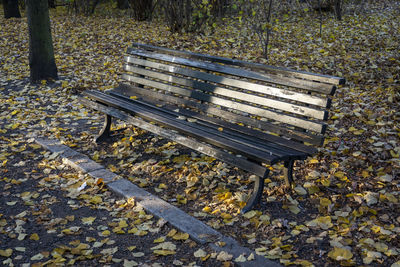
198,231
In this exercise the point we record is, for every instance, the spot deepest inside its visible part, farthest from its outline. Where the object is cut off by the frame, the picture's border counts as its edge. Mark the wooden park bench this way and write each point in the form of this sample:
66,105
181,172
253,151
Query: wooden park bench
246,114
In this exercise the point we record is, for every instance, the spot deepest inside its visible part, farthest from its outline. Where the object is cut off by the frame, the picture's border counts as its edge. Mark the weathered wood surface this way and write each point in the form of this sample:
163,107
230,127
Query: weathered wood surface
239,129
226,92
251,86
260,151
206,123
227,70
178,138
255,110
229,116
256,66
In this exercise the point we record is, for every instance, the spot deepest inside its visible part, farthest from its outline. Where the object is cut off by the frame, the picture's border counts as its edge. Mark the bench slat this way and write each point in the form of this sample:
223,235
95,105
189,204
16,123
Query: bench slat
207,87
258,88
130,90
279,141
228,132
271,149
188,142
298,122
185,127
255,66
292,82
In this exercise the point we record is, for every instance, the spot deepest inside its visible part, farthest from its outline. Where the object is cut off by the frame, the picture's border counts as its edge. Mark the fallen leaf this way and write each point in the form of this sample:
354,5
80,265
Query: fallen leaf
339,254
200,253
224,256
163,252
6,253
34,237
88,220
241,258
180,236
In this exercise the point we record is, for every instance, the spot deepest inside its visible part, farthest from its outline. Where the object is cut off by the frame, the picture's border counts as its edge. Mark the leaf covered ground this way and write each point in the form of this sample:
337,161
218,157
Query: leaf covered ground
343,210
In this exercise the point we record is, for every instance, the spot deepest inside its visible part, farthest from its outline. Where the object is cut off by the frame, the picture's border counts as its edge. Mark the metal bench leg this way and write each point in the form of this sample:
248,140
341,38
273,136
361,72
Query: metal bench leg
255,198
105,131
288,172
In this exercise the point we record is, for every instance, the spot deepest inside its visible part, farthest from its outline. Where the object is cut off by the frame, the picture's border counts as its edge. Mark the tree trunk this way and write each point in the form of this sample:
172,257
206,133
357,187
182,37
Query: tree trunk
338,9
122,4
52,4
41,54
11,9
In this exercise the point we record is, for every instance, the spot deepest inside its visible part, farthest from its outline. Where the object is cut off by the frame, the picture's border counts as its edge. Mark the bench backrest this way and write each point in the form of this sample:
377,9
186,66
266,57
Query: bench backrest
289,103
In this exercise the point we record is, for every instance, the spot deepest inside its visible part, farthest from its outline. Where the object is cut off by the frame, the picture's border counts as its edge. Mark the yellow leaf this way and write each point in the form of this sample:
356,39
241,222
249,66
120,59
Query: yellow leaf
324,222
118,230
172,233
131,248
393,154
207,209
134,230
106,233
122,224
163,252
324,202
226,216
220,129
250,214
165,246
159,240
6,253
96,200
88,220
133,97
163,186
141,233
339,174
180,236
325,182
34,237
339,254
365,174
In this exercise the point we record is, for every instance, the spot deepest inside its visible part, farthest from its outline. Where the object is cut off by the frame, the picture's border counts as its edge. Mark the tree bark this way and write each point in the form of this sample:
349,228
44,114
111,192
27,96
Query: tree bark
52,4
41,53
338,9
11,9
122,4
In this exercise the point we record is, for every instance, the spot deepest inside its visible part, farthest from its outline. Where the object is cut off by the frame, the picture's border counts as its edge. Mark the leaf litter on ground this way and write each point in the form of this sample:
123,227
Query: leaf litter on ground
343,210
